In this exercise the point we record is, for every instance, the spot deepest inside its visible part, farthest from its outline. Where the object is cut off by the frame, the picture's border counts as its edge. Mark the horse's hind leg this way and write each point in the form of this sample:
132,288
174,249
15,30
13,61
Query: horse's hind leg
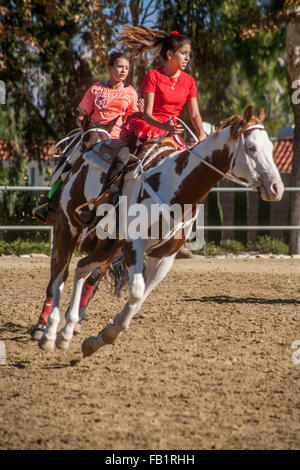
47,341
155,270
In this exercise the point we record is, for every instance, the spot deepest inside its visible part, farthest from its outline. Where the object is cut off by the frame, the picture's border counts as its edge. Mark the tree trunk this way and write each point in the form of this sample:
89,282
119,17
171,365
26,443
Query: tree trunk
293,74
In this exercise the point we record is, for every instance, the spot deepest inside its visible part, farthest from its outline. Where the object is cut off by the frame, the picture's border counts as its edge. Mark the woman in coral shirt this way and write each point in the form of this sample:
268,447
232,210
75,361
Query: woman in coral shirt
106,101
166,89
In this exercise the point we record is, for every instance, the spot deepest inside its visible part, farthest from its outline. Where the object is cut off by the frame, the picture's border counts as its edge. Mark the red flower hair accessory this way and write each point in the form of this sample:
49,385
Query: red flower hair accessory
174,33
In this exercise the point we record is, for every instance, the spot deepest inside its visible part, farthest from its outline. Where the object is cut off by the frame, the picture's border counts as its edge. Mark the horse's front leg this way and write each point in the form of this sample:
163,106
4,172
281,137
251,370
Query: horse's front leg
48,336
63,246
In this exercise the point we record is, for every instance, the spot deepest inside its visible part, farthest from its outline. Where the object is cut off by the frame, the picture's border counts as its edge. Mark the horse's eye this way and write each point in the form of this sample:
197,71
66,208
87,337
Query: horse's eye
252,148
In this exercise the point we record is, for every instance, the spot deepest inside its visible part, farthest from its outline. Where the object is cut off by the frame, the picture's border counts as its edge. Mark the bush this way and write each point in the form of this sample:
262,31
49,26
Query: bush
264,244
267,244
210,249
233,246
22,247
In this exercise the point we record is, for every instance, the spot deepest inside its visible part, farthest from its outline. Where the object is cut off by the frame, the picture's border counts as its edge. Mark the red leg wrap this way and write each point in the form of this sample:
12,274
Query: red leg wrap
46,311
85,295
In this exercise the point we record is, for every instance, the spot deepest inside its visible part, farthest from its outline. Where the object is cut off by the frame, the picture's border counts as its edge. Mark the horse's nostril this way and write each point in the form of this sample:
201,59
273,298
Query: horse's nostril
275,188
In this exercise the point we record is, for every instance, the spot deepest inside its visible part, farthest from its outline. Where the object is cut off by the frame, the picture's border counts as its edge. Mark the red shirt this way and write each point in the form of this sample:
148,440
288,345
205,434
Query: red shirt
170,94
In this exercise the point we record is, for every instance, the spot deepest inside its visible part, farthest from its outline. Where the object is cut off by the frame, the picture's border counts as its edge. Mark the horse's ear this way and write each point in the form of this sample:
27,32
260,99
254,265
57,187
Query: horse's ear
248,114
261,114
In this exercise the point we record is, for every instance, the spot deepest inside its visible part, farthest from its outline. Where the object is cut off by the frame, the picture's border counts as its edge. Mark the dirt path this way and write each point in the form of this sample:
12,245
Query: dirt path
206,364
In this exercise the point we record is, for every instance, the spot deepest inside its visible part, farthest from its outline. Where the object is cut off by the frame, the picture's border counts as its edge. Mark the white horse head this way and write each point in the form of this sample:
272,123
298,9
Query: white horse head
253,159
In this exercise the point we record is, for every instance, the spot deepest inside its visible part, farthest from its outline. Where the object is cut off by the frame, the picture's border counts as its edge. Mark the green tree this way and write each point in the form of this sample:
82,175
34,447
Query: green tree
232,69
50,52
282,18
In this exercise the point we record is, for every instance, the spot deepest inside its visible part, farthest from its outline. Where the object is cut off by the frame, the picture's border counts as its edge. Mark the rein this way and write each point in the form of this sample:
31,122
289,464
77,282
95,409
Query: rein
73,135
230,177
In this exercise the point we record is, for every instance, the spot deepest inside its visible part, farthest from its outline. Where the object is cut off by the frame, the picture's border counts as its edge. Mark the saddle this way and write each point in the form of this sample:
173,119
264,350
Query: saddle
103,154
166,141
106,157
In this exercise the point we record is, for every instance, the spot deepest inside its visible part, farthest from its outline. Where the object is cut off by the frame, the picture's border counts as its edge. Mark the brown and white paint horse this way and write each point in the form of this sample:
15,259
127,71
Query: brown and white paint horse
83,183
241,146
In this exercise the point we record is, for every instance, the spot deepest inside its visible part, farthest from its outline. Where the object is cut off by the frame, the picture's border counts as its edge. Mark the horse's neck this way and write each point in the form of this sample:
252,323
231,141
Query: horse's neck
197,179
214,142
183,177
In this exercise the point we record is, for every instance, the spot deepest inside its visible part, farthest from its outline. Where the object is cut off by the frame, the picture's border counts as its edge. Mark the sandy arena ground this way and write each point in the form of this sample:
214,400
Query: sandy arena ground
207,363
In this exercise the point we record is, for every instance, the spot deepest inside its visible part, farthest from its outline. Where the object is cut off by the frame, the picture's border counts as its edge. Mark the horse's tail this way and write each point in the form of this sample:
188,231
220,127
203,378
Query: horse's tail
118,274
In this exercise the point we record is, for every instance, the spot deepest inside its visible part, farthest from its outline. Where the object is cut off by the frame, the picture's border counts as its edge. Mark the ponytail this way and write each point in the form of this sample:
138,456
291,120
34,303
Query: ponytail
140,39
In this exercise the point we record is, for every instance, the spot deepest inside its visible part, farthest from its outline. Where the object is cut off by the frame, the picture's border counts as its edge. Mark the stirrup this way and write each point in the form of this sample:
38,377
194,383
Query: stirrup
86,216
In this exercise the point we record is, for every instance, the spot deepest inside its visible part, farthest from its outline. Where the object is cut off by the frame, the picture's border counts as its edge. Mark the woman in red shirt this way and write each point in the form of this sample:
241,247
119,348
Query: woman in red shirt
166,89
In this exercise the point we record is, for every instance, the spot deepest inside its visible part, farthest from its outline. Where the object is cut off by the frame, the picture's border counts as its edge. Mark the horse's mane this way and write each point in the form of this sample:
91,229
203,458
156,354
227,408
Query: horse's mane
239,124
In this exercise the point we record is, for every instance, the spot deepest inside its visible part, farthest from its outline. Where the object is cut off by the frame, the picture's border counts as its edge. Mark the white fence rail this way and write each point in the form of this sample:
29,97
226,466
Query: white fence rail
207,227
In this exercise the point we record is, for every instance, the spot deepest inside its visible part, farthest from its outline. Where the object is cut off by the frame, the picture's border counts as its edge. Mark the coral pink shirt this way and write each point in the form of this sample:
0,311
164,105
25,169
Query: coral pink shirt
170,94
105,104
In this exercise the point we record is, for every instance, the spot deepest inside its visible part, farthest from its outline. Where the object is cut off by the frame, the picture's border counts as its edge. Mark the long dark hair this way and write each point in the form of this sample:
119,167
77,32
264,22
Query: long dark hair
140,39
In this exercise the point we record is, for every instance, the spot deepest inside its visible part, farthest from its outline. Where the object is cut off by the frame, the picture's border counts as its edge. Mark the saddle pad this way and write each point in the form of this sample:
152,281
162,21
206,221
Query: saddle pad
103,154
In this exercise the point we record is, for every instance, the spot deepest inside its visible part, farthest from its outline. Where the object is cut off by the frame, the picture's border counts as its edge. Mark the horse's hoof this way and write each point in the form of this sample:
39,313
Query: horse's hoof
90,346
38,331
47,345
62,343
